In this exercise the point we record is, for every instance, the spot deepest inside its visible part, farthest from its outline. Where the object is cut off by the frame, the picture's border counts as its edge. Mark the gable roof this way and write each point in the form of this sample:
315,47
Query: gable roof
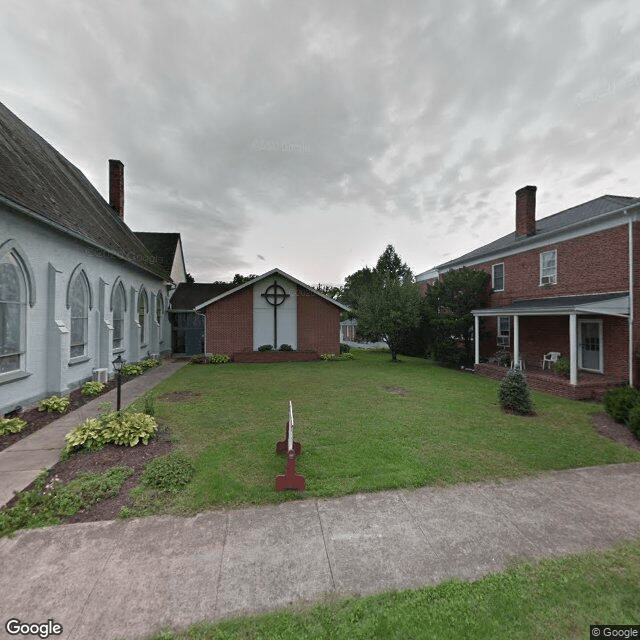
268,274
581,214
189,295
161,246
38,181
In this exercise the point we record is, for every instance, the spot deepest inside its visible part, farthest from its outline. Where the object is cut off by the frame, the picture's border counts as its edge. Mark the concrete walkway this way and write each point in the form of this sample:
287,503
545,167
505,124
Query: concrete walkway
21,463
115,579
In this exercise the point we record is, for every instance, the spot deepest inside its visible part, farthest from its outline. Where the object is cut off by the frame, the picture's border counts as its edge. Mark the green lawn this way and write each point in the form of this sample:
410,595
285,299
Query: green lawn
365,425
555,598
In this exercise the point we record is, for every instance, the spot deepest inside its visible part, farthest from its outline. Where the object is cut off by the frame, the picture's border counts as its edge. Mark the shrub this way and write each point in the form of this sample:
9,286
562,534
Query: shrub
218,358
286,347
149,363
11,425
344,348
131,369
617,402
328,356
116,427
199,358
265,347
633,420
93,388
449,354
54,403
168,473
332,356
149,402
563,367
514,393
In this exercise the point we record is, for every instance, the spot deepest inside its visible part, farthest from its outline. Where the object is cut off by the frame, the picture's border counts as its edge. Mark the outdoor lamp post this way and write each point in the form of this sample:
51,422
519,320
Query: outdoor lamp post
117,367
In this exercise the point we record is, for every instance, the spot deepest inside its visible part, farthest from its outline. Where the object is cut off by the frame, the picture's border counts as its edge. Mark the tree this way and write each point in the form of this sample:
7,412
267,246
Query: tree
355,287
387,301
449,303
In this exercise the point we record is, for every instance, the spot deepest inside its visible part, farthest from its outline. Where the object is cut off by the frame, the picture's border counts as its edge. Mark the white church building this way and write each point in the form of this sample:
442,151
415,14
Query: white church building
77,286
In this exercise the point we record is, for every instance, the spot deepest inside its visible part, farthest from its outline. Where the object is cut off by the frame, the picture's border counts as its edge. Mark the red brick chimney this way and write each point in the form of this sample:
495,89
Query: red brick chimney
526,211
116,186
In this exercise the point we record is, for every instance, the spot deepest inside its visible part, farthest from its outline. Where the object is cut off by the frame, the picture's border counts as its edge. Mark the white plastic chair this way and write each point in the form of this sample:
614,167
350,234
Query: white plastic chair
551,358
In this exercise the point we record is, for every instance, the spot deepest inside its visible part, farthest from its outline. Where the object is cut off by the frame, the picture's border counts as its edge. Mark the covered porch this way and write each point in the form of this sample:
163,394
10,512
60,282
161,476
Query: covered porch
593,332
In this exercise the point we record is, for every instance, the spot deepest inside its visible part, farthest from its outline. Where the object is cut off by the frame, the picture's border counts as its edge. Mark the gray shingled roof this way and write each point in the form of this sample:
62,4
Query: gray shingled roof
162,246
554,223
34,176
189,295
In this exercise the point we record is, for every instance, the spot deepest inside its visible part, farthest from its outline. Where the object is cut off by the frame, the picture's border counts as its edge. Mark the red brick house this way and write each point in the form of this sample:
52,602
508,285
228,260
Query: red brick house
567,283
272,309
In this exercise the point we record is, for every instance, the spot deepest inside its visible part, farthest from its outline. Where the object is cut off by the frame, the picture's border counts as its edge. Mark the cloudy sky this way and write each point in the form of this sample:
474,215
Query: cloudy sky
309,135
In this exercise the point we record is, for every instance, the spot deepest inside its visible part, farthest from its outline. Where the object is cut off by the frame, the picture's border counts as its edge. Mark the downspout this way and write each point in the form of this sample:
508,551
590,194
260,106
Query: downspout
631,286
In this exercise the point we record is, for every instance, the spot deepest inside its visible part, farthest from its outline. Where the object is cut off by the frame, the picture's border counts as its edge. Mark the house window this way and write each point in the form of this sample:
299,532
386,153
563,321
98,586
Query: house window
504,331
79,305
548,267
143,310
497,276
13,305
159,315
118,316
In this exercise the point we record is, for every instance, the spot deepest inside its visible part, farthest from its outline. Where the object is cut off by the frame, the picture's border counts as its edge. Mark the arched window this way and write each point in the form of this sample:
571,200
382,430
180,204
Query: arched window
119,306
143,310
13,311
79,305
159,314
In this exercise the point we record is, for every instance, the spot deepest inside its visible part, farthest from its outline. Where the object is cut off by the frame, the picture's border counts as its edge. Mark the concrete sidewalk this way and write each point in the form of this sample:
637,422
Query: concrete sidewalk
126,578
21,463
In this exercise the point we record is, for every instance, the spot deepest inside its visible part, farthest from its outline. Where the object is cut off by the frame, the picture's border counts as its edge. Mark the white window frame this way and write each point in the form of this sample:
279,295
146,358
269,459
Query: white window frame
14,259
119,290
80,277
546,277
160,316
503,337
493,276
143,318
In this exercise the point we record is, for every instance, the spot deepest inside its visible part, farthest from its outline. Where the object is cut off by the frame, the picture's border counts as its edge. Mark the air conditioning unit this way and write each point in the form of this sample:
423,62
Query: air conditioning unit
100,375
155,356
548,280
503,341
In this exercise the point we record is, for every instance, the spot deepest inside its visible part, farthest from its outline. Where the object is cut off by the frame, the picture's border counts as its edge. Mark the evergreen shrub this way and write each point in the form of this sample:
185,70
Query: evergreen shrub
618,402
514,393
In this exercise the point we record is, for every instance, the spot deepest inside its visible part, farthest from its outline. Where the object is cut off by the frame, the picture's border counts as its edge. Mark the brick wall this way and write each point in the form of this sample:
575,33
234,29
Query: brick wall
318,324
229,324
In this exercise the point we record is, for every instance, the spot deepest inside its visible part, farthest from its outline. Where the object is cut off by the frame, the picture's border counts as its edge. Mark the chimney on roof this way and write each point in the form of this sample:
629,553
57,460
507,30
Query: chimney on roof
116,187
526,211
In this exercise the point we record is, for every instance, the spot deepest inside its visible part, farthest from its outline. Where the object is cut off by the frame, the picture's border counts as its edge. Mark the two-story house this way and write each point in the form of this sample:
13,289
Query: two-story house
567,283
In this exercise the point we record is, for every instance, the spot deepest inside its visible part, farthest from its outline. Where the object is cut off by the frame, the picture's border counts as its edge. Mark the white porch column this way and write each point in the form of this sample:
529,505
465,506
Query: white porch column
573,348
516,341
476,338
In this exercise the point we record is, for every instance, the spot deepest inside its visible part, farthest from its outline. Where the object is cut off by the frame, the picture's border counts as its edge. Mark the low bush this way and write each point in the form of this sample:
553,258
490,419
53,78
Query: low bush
200,358
332,356
54,403
116,427
170,473
286,347
633,420
344,348
131,370
619,401
218,358
149,363
514,394
11,425
265,347
93,388
563,367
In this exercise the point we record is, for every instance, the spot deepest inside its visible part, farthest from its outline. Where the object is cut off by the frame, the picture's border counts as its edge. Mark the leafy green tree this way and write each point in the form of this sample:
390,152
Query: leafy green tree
387,301
355,286
449,303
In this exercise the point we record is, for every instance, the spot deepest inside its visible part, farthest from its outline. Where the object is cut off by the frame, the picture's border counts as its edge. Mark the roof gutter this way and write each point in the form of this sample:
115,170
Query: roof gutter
74,234
532,240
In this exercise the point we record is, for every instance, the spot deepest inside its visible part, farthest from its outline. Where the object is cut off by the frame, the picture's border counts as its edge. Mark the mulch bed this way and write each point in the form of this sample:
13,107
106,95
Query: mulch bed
37,419
613,430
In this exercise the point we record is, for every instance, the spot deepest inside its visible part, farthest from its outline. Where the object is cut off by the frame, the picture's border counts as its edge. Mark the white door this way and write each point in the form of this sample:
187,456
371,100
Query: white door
590,352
